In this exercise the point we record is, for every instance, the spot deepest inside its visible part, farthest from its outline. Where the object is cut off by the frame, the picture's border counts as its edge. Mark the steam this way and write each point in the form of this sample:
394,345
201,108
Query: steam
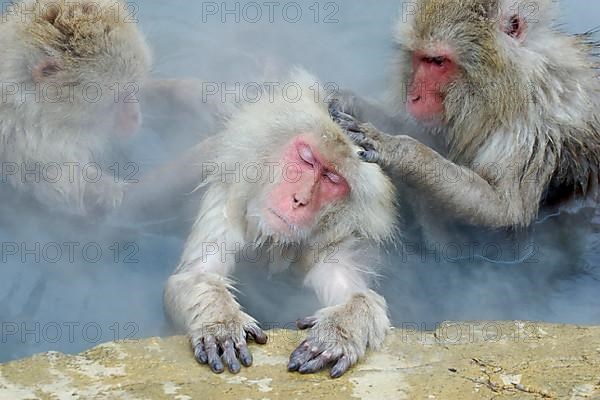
83,300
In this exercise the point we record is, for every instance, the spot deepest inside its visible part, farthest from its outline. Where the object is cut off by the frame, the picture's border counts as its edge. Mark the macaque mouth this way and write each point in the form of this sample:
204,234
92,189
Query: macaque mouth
282,218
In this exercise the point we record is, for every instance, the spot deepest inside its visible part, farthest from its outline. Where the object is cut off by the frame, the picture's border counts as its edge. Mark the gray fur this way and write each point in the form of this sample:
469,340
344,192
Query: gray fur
521,121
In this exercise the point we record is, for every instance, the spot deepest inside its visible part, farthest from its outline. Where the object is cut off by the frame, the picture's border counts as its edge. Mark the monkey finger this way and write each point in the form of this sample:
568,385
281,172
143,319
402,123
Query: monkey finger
302,348
370,156
230,357
244,354
341,367
347,122
369,148
334,104
257,334
297,356
316,364
306,323
212,351
343,119
200,353
303,354
335,108
358,138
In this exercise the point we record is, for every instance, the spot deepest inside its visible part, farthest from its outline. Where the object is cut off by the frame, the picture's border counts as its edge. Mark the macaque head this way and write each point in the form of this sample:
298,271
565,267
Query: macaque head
85,59
467,57
310,183
313,185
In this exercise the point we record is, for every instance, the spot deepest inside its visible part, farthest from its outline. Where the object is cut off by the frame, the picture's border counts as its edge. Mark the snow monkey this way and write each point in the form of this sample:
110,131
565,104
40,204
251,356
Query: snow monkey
70,72
314,198
517,100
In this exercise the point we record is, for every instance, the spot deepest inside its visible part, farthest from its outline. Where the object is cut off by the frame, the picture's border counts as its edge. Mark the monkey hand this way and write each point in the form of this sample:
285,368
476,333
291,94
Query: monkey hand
339,335
375,144
389,151
345,101
330,342
341,113
224,341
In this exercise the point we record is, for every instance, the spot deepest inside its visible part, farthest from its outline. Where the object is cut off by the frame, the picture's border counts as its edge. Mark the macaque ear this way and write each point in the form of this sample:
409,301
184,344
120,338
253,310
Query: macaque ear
516,27
44,70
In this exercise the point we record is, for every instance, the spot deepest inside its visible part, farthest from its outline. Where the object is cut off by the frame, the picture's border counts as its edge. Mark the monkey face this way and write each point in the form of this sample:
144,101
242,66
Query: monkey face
308,185
459,52
433,72
313,186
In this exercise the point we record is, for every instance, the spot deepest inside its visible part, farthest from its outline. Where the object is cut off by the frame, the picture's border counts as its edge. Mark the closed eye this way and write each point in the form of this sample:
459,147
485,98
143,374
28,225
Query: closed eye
438,61
306,155
333,178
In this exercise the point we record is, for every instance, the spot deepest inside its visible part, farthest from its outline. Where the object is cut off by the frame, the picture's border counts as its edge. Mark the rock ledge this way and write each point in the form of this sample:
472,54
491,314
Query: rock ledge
500,360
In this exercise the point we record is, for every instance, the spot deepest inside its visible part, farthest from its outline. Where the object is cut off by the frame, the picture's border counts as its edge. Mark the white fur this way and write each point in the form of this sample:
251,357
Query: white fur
337,254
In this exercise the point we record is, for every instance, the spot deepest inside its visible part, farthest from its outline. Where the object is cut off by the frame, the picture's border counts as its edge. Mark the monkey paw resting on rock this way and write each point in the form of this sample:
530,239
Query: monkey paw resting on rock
314,197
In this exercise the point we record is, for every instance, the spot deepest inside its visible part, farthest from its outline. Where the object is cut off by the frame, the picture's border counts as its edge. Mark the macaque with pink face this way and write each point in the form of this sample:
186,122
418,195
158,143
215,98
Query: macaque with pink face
311,184
516,100
307,192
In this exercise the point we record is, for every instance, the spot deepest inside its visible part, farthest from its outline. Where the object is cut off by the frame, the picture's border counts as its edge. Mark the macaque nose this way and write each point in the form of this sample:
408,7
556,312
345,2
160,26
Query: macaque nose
300,200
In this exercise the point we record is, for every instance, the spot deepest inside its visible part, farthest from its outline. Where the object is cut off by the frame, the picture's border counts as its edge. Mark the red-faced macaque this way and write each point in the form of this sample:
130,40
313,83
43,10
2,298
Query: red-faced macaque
70,73
301,194
517,100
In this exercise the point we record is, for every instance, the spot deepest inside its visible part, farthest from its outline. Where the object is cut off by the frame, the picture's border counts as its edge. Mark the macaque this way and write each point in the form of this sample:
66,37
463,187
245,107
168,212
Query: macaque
70,74
307,201
517,101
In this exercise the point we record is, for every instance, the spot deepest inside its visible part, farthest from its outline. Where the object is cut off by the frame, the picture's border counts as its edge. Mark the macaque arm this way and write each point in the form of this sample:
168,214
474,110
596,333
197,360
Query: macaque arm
347,109
198,296
511,199
178,106
72,193
355,317
164,94
162,192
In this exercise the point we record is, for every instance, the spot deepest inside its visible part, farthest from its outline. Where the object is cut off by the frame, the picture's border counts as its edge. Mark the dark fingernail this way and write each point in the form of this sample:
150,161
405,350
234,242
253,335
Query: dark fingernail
306,369
340,368
246,360
234,367
201,356
293,366
337,373
257,334
306,323
217,367
245,355
261,338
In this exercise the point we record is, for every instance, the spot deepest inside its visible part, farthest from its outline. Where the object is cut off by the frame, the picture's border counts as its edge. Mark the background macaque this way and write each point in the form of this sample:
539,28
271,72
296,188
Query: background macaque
70,75
315,199
517,101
